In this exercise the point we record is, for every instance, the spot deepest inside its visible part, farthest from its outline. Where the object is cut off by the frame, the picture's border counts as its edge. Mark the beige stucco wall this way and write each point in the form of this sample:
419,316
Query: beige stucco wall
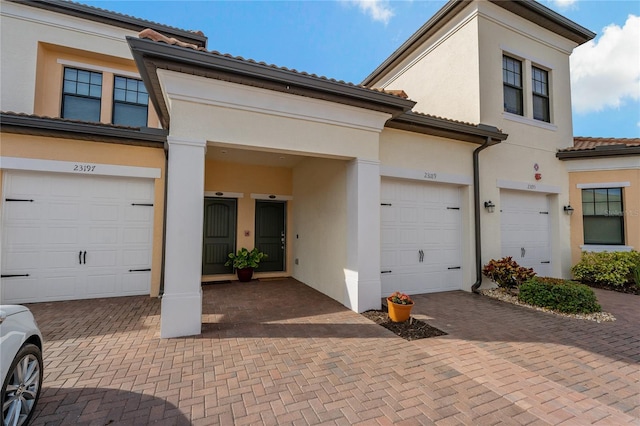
631,205
442,75
37,147
246,180
320,225
30,72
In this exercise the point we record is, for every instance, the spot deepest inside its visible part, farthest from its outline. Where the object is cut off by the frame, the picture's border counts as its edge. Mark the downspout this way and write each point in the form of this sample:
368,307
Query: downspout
476,210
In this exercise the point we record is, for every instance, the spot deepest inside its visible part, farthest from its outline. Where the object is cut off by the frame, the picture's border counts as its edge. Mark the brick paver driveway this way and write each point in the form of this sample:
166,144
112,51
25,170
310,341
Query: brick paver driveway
285,354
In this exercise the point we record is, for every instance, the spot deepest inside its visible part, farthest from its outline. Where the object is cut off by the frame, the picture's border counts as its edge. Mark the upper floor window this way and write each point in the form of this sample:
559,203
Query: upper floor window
512,82
81,94
130,102
540,88
603,216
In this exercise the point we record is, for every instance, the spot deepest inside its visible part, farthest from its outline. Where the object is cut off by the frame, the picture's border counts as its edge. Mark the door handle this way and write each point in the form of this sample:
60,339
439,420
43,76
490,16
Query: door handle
522,252
85,257
80,257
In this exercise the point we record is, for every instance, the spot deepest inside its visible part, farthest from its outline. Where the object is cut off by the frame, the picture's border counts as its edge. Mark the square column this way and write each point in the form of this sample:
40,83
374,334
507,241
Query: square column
181,313
362,274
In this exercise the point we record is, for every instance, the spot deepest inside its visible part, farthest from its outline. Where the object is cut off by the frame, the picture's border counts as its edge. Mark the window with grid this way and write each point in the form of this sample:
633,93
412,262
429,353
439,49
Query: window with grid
81,95
512,83
130,102
603,216
540,87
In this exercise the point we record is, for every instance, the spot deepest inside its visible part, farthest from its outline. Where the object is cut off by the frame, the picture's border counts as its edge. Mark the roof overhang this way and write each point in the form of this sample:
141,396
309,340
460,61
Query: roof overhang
435,126
151,55
598,152
114,19
527,9
60,128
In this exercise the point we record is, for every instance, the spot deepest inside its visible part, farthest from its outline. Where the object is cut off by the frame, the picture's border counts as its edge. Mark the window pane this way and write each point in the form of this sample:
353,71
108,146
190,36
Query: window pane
131,96
143,98
600,195
120,83
587,195
541,108
119,95
602,209
79,108
588,209
83,89
129,115
513,100
96,78
603,230
141,87
615,194
70,74
69,87
95,91
83,76
615,208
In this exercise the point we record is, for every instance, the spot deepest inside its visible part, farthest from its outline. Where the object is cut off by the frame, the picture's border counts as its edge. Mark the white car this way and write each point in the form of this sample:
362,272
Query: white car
20,363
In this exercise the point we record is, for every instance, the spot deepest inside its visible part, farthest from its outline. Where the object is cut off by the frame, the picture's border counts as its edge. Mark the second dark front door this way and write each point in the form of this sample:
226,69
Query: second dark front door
270,234
219,237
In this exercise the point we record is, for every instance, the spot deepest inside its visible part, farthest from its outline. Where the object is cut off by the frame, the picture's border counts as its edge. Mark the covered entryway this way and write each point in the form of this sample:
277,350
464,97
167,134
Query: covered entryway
67,236
524,226
421,237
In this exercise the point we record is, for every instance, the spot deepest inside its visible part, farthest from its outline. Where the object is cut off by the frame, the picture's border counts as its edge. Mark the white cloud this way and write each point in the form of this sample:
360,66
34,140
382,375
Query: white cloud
606,72
378,10
564,4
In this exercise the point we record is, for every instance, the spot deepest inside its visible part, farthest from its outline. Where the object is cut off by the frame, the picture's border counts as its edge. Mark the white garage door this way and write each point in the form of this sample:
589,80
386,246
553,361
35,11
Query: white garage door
524,219
75,237
421,237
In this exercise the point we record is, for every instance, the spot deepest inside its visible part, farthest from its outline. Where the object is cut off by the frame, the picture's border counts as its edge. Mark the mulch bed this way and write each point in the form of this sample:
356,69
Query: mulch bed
411,329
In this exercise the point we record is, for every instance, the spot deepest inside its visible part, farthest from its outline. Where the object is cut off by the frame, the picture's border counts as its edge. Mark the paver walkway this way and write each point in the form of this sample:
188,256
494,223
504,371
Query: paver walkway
279,352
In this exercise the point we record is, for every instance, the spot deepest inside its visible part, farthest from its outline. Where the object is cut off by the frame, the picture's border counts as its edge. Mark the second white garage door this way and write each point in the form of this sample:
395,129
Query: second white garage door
524,220
421,237
74,237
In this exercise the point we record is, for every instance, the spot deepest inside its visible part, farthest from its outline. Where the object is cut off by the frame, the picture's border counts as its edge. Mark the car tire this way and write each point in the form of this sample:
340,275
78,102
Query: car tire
20,391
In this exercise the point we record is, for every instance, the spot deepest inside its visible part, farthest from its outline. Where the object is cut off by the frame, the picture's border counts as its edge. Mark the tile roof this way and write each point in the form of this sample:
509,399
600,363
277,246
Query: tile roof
586,143
153,35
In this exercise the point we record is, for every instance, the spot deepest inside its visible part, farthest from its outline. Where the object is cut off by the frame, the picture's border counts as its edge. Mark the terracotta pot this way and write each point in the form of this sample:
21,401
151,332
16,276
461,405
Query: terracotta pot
245,274
398,312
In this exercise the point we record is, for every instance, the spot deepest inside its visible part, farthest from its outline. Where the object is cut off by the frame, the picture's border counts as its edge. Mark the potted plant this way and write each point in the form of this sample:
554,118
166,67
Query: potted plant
244,262
399,306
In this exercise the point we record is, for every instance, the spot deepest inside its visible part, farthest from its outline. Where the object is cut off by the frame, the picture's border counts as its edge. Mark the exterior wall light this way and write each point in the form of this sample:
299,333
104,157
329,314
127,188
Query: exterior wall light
568,209
489,206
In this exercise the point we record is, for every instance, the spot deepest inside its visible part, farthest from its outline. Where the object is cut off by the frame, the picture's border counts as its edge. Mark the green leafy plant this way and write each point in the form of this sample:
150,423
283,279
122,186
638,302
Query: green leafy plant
245,258
636,275
400,298
559,295
506,272
614,268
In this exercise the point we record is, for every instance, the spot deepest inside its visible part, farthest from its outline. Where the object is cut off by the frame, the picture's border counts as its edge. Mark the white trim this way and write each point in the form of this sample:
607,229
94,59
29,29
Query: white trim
92,67
530,121
526,186
425,175
234,96
272,197
600,248
223,194
507,50
603,185
198,143
622,162
78,167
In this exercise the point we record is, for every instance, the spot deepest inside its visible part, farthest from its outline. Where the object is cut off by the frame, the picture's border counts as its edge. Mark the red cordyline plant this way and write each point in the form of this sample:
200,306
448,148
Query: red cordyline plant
401,298
507,273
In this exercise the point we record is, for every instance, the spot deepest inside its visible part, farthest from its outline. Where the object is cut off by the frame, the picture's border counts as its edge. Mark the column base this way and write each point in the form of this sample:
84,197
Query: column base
181,315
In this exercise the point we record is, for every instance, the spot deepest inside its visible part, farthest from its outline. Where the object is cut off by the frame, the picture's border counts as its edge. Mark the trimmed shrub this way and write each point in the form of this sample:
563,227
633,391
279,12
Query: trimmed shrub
614,268
559,295
506,272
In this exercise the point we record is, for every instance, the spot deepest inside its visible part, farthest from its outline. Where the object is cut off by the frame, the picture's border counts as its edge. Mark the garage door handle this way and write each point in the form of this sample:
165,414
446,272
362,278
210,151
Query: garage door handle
454,267
80,257
140,270
546,261
385,272
84,258
14,275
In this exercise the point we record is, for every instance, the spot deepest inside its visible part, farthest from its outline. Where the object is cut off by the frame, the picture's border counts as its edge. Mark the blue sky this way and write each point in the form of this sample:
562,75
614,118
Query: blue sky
348,39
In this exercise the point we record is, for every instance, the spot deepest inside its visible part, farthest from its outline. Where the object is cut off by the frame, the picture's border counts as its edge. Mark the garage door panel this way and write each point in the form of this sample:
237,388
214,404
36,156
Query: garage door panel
525,230
101,285
136,257
23,288
135,283
434,230
71,215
